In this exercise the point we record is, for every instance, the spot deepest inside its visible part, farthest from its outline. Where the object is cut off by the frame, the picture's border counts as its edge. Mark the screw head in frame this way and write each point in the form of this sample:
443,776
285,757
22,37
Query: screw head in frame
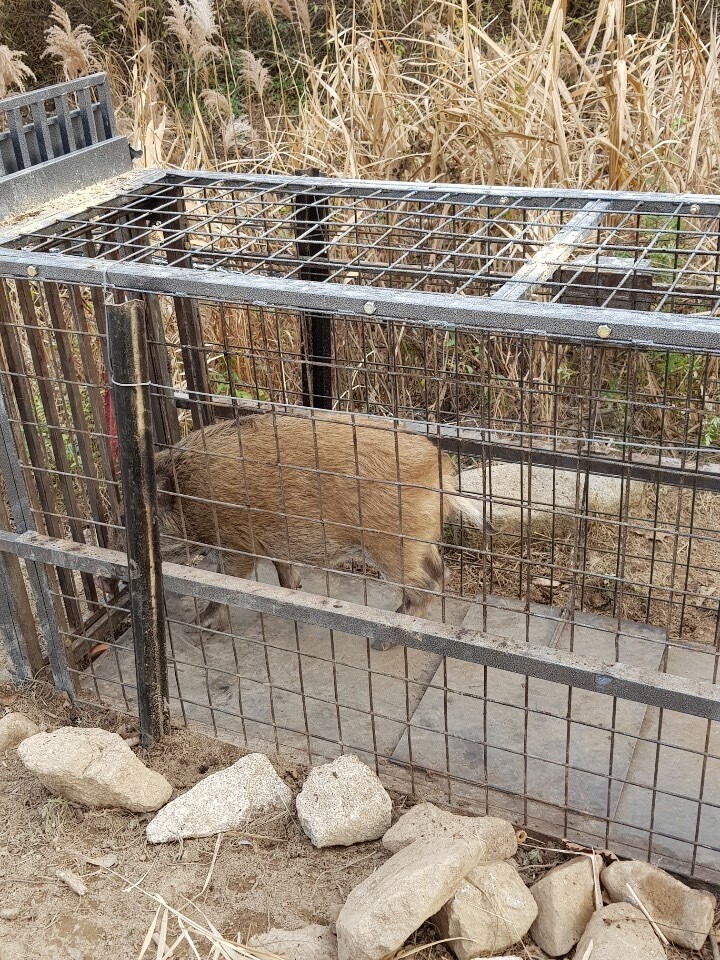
504,201
604,331
32,271
370,308
695,209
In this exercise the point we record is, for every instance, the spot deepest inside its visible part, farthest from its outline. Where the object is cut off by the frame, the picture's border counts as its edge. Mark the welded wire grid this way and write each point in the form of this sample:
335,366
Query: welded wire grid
631,578
635,253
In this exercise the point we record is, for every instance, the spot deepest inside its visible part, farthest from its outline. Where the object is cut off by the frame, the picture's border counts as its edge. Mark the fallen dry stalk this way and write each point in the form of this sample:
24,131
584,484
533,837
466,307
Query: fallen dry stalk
635,899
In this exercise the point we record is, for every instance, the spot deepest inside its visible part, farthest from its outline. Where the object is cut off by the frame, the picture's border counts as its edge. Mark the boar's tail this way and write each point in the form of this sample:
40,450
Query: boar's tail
469,509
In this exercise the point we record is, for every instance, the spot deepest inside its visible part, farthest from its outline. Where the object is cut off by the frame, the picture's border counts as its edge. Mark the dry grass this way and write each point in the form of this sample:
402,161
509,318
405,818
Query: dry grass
435,94
72,47
14,73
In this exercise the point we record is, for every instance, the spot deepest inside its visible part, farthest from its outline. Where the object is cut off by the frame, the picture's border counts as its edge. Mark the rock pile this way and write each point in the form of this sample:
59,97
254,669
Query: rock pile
457,872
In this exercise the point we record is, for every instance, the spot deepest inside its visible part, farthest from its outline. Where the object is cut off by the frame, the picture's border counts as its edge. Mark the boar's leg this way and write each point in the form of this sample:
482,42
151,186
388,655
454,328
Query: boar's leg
423,574
216,616
288,575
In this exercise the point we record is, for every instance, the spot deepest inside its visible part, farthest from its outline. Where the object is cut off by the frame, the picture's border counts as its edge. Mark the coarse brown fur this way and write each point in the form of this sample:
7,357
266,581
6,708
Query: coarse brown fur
312,491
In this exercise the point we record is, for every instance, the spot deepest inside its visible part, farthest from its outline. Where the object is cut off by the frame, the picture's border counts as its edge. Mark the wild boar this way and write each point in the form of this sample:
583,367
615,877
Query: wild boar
314,491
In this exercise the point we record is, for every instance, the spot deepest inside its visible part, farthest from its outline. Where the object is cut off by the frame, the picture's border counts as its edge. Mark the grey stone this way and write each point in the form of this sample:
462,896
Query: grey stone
489,912
14,728
425,820
566,900
227,800
552,497
389,905
93,767
313,942
619,932
342,803
684,915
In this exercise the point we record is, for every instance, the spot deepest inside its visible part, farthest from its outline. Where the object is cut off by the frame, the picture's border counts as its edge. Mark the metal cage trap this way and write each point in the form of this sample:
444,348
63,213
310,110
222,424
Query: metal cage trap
562,347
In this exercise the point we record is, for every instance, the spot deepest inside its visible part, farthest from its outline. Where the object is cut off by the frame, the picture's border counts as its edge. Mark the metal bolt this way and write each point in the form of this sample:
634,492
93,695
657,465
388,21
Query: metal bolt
504,200
32,271
695,209
370,308
604,331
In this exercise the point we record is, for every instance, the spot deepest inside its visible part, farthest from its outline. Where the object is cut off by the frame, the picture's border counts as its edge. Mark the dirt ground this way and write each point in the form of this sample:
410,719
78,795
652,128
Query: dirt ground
271,876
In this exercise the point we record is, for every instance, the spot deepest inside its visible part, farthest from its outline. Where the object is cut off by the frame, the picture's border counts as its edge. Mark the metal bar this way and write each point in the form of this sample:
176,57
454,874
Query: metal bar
10,632
87,117
42,131
545,262
67,131
106,108
131,397
693,697
37,575
49,401
316,336
48,93
29,189
17,604
16,127
188,317
530,197
36,449
443,311
64,345
96,386
165,416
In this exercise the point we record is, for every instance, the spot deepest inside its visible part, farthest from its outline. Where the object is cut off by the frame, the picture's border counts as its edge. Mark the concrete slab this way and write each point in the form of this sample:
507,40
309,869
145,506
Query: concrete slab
276,684
512,734
670,804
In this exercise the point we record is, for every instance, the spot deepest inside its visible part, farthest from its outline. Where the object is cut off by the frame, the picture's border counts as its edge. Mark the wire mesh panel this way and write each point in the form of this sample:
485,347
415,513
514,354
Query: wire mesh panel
504,518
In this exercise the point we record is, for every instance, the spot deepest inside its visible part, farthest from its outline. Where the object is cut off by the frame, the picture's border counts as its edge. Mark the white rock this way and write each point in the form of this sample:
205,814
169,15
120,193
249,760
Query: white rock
492,910
619,932
93,767
342,803
566,900
684,915
14,728
553,496
389,905
226,800
313,942
425,820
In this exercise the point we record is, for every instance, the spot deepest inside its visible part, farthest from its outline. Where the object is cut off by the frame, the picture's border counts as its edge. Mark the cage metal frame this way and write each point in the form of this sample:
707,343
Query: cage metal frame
31,251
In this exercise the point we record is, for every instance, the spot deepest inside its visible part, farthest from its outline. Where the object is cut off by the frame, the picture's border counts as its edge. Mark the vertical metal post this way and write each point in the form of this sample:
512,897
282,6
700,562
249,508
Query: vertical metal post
23,520
311,241
17,623
127,350
10,633
187,312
